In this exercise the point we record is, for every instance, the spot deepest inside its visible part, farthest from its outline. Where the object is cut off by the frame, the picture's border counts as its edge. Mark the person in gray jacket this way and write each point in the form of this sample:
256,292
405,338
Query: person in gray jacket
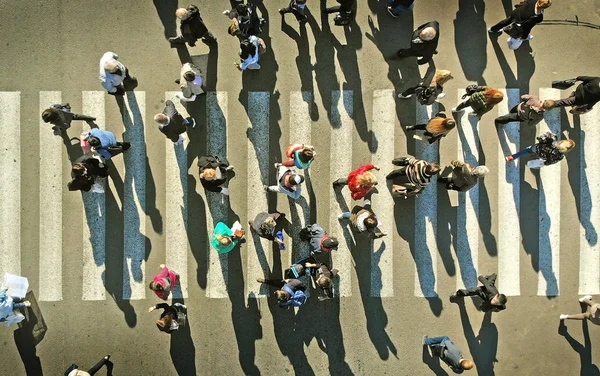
114,76
529,111
447,351
463,176
172,124
60,116
320,241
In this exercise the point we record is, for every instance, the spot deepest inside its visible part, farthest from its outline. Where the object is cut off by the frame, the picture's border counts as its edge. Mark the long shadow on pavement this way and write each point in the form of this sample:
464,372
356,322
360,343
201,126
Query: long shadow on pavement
584,349
484,346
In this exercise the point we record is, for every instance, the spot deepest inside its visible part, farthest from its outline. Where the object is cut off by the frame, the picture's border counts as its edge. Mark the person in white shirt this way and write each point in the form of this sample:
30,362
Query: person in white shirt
114,76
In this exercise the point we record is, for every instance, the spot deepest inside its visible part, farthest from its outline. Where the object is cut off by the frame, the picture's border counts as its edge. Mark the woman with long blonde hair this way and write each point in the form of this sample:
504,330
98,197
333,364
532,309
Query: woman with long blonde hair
360,181
438,127
428,93
548,149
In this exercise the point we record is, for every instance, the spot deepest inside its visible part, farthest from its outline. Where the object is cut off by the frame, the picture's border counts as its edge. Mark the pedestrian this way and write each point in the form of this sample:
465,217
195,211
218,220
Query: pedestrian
492,300
439,126
345,12
463,176
529,111
75,371
267,226
164,282
190,83
214,173
114,76
289,291
521,20
427,94
60,116
548,149
321,274
172,317
303,267
592,311
192,28
224,239
395,7
320,242
300,156
584,97
87,172
481,99
413,176
250,50
104,142
447,351
297,7
245,20
8,304
288,182
423,44
360,181
364,221
172,124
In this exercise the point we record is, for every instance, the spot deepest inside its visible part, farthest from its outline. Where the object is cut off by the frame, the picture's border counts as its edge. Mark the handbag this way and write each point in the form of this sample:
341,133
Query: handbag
564,84
514,43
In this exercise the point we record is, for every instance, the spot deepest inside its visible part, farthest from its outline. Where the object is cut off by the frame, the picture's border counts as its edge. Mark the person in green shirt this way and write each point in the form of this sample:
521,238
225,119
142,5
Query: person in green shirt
224,239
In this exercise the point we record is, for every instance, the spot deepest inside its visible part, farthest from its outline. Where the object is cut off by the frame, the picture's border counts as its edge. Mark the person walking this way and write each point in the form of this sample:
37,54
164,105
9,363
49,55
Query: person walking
481,99
427,94
364,221
423,44
592,312
463,176
105,143
214,173
297,7
395,7
412,176
345,12
584,97
60,116
164,282
492,300
289,291
321,274
447,351
172,124
172,317
267,226
224,239
530,111
320,241
360,181
8,304
439,126
250,50
114,76
288,182
87,171
548,149
75,371
301,156
245,19
190,83
192,28
521,20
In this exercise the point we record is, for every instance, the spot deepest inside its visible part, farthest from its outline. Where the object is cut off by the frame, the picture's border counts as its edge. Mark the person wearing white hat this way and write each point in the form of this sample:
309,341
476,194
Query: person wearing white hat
289,182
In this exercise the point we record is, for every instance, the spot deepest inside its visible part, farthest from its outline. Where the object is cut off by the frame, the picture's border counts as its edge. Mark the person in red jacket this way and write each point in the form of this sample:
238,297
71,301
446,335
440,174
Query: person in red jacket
164,282
360,181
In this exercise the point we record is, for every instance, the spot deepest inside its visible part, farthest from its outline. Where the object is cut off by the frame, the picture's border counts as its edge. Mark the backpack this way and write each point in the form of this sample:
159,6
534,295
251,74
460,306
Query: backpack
298,298
426,95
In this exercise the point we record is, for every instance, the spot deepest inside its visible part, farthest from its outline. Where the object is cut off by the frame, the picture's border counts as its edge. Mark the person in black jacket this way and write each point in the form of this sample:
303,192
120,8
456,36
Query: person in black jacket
213,174
527,14
492,300
423,44
192,27
60,116
585,96
86,170
297,7
549,149
172,124
172,317
345,11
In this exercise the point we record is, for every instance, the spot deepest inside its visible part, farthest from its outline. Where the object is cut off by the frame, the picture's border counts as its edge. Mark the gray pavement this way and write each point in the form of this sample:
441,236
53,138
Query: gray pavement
56,45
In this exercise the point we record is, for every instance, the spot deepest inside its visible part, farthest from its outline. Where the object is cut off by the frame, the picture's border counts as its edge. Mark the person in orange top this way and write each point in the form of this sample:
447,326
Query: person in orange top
360,181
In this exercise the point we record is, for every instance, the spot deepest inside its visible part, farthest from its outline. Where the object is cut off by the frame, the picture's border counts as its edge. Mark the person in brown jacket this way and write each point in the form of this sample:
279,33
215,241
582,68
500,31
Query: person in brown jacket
438,127
463,176
364,220
529,111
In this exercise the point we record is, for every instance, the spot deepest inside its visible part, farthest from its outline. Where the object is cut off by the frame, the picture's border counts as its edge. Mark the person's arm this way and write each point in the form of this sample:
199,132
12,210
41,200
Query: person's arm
433,139
366,167
586,79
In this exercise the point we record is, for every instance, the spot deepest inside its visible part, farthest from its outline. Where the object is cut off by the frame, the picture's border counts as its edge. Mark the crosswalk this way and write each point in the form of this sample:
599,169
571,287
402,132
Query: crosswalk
259,259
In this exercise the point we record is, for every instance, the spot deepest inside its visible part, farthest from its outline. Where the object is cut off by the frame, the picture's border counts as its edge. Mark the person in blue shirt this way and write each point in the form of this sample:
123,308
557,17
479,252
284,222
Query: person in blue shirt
105,143
447,351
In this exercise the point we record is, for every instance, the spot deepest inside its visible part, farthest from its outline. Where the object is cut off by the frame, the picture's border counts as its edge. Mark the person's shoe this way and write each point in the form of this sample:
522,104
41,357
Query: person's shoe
266,188
509,158
389,9
341,216
404,96
564,317
424,338
472,114
441,95
494,32
282,11
229,168
126,146
455,110
453,297
193,123
529,37
410,127
588,297
260,280
27,303
277,165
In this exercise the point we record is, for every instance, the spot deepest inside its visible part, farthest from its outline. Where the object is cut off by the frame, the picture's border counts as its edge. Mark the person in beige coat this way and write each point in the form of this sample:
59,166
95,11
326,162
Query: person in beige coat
463,176
191,83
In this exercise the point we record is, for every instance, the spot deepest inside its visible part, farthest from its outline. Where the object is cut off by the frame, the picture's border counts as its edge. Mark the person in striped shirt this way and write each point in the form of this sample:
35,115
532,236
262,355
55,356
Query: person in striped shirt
413,176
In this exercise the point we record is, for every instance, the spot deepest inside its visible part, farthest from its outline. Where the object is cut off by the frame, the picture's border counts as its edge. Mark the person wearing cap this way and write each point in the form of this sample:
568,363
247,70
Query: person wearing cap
320,242
447,351
172,124
360,181
364,221
172,317
113,74
296,7
288,182
423,44
191,83
60,116
164,282
286,289
75,371
105,143
492,300
192,28
214,173
463,176
267,225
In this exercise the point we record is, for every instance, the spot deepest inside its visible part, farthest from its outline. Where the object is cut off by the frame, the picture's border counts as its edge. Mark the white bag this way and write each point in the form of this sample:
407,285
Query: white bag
17,285
513,43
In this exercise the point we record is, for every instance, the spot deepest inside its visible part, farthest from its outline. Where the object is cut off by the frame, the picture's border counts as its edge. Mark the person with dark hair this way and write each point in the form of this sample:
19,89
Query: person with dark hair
412,176
190,83
250,50
267,225
87,170
463,176
289,291
321,274
105,143
395,7
164,282
245,19
521,20
584,97
289,182
530,111
423,44
75,371
492,300
172,124
214,173
439,126
447,351
300,156
172,317
60,116
320,241
192,27
345,12
363,220
296,7
481,99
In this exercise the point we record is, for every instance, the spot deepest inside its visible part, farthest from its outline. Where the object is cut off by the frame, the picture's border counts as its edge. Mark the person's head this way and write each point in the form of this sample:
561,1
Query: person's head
208,174
78,169
295,179
182,13
366,179
242,10
499,299
164,324
371,221
442,76
493,96
155,286
466,364
234,28
111,66
247,48
281,295
307,154
480,171
49,115
565,146
427,34
161,119
93,141
270,221
330,243
224,241
432,169
449,123
189,76
543,4
548,104
325,282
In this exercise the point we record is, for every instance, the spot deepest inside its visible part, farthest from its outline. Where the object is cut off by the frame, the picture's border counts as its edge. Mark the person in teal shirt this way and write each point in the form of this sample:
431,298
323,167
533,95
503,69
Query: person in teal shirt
224,239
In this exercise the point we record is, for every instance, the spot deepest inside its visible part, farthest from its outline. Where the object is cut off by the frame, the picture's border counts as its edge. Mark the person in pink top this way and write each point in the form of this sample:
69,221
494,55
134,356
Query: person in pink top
164,282
360,181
